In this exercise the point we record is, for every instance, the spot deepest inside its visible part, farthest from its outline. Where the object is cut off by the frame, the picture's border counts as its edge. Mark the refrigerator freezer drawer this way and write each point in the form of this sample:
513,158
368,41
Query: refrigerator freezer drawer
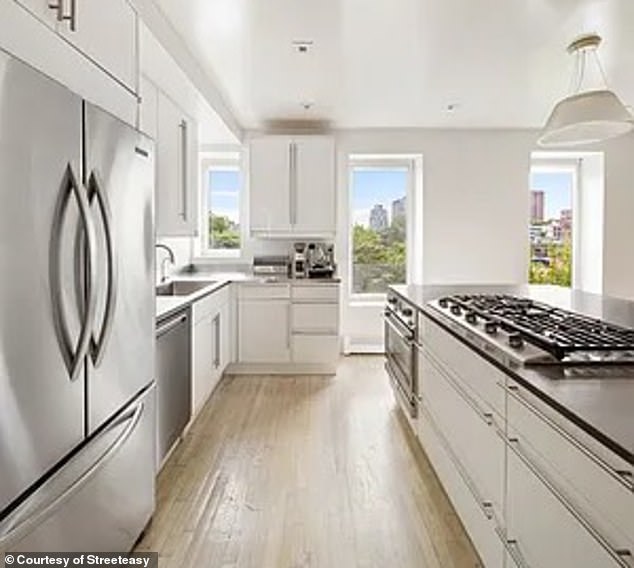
102,499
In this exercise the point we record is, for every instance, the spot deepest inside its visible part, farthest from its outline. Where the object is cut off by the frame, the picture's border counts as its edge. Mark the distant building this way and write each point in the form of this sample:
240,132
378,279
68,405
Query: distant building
537,232
565,222
537,206
554,231
398,209
378,218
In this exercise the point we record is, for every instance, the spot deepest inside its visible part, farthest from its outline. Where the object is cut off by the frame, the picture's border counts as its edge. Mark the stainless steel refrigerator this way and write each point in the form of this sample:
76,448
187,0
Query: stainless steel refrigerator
77,410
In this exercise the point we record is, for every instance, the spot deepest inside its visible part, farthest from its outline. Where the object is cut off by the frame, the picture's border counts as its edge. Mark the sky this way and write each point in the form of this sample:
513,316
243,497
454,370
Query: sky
557,188
223,190
372,186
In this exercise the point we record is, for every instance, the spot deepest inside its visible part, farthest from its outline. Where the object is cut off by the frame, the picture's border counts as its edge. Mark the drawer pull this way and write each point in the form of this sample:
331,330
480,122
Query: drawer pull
618,554
624,477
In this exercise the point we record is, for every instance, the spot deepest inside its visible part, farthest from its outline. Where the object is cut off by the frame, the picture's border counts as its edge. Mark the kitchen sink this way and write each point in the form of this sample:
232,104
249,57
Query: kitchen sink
182,287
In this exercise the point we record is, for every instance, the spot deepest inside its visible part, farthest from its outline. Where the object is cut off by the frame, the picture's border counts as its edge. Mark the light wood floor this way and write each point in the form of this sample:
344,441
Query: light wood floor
289,472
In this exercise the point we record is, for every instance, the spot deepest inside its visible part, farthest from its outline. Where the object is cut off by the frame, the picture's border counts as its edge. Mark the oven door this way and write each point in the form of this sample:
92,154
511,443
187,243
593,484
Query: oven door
400,359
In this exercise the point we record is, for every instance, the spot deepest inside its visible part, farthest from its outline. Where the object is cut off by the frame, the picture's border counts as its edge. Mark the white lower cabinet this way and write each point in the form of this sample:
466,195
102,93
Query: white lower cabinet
532,489
295,326
211,344
460,434
264,331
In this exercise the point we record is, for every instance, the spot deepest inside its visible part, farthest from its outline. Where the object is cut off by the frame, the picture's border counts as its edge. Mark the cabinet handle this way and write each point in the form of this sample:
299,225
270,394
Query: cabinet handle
622,476
618,554
291,182
61,17
184,176
217,341
288,326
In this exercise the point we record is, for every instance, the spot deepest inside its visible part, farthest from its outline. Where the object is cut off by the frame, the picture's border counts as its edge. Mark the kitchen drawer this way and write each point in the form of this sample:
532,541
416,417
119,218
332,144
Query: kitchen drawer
542,529
598,490
264,291
309,348
474,517
315,317
316,292
475,374
471,432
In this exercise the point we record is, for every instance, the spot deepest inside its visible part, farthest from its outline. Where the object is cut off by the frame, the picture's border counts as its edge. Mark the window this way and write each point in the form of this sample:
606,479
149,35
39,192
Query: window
553,189
379,193
221,232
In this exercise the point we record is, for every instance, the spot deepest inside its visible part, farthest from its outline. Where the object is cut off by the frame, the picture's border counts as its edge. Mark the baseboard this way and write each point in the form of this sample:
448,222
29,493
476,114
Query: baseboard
365,345
282,369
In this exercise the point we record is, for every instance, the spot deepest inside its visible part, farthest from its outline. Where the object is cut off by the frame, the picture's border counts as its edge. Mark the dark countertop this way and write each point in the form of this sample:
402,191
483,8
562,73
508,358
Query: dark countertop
599,399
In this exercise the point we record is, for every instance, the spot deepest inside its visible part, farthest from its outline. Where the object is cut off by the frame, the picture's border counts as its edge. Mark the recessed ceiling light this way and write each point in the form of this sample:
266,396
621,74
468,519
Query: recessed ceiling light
303,45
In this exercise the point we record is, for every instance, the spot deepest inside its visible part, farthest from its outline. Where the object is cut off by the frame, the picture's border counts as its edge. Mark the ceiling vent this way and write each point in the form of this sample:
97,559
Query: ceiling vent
303,46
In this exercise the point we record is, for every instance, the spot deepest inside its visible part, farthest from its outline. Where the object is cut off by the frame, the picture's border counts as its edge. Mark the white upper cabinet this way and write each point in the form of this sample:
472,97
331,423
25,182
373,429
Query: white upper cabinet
270,184
292,185
148,108
103,31
176,183
42,11
315,184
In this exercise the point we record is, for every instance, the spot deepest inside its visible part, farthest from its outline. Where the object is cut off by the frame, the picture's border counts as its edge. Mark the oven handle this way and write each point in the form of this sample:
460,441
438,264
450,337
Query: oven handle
402,331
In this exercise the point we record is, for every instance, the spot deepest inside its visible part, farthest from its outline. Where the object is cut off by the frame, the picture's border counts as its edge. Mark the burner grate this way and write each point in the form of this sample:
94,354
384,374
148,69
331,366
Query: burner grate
558,331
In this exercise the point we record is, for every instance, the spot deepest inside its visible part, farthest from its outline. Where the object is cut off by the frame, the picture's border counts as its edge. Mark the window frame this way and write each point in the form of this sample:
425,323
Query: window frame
553,164
381,162
221,160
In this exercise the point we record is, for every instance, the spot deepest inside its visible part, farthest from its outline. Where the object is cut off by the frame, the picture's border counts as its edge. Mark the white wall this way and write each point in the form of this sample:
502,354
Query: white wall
618,252
475,209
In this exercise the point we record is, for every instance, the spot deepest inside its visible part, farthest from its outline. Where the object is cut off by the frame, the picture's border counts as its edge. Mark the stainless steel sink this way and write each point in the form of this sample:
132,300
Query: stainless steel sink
182,287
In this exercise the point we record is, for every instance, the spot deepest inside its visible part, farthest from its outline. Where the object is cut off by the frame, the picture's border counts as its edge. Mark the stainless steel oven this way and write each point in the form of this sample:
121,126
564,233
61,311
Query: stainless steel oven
400,353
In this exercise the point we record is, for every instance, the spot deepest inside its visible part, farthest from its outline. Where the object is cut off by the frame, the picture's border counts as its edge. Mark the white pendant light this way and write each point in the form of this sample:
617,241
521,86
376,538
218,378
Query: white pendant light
588,115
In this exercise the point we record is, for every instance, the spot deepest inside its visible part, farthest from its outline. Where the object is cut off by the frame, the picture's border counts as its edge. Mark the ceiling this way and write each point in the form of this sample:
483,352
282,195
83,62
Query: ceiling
400,63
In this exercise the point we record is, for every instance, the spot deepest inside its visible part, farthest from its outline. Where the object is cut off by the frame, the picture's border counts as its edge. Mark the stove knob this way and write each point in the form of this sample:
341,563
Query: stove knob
471,317
455,310
443,302
391,300
491,327
407,312
516,340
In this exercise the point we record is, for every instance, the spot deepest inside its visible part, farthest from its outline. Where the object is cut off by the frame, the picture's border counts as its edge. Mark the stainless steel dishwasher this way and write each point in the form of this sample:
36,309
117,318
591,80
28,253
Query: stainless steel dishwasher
173,362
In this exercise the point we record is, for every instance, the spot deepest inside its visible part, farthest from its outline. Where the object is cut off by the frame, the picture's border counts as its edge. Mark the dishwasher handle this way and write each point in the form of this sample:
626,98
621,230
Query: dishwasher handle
170,324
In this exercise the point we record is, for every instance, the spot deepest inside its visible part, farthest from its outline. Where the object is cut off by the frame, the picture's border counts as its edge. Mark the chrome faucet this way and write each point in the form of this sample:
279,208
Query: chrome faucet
171,258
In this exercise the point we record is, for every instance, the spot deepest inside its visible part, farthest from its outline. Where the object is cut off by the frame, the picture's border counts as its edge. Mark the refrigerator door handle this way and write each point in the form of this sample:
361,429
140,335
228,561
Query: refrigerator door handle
27,519
73,354
98,343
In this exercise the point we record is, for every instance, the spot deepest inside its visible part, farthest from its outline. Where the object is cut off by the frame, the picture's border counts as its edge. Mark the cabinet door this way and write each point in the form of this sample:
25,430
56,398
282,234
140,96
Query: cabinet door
269,184
41,10
176,179
203,361
313,194
264,331
105,32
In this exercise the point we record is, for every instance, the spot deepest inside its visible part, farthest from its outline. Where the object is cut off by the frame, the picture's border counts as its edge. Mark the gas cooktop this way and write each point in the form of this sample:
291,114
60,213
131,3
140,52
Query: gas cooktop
531,332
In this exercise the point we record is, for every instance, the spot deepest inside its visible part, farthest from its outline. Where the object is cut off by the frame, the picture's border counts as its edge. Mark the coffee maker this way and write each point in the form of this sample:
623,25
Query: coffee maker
298,260
320,260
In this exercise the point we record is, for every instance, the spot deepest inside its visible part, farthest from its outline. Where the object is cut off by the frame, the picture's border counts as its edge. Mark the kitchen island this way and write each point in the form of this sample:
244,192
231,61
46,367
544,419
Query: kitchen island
537,459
